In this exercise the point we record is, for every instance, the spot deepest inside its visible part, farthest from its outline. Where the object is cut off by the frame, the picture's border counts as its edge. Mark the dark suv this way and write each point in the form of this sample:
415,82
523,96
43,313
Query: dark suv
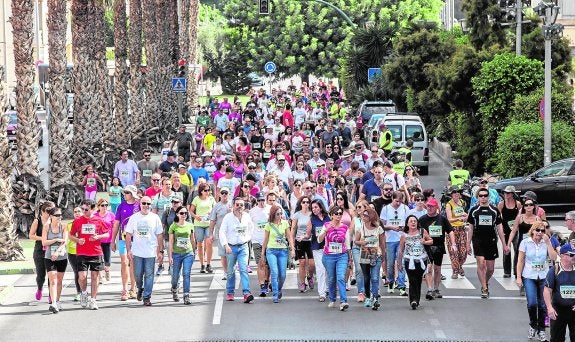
13,127
554,185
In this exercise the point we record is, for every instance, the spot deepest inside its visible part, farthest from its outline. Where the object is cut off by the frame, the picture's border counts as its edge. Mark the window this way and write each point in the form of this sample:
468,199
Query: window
414,132
396,132
555,170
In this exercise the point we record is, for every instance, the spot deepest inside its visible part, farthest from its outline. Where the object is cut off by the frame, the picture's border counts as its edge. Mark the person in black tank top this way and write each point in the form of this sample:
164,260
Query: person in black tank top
521,227
509,209
38,254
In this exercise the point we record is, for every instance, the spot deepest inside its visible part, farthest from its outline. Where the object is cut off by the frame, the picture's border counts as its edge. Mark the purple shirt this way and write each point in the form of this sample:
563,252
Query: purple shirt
123,213
335,239
225,105
126,171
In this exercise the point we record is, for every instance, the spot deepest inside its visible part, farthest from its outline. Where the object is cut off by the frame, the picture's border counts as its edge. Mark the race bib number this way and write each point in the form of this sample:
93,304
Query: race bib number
53,248
373,198
417,250
511,223
370,241
124,174
485,220
435,231
458,211
567,291
183,242
147,173
335,247
261,226
143,230
91,181
394,222
267,155
241,229
257,145
281,241
318,230
538,266
88,229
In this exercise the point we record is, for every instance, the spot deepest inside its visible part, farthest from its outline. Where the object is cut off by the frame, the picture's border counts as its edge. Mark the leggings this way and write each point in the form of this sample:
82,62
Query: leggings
38,257
72,260
107,252
415,277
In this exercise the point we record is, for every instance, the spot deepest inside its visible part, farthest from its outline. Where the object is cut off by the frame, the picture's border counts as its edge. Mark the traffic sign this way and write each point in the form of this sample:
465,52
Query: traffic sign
270,67
373,73
179,84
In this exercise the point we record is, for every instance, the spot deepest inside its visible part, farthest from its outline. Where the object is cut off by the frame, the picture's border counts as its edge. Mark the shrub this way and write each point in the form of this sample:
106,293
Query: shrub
526,107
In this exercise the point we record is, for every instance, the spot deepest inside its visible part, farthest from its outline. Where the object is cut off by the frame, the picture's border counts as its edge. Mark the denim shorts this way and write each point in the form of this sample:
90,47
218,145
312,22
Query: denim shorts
201,233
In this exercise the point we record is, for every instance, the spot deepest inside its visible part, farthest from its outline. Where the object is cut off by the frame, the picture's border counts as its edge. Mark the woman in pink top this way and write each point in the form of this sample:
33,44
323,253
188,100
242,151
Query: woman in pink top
336,258
221,171
90,183
108,217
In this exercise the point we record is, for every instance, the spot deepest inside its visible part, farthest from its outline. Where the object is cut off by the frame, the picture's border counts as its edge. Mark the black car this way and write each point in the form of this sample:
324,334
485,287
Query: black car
554,185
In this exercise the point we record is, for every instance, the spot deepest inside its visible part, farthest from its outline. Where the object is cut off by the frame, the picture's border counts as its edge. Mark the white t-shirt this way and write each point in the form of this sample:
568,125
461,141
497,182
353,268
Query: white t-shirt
231,183
388,214
260,218
391,179
144,230
234,231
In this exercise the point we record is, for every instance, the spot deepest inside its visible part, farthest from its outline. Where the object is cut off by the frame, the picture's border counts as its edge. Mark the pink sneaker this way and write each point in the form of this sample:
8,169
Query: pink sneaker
230,297
38,294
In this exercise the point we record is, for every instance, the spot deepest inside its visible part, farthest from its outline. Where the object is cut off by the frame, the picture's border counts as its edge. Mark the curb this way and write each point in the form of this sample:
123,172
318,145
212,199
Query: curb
5,293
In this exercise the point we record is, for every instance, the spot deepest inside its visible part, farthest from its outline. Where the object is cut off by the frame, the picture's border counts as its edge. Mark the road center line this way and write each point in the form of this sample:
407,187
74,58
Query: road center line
218,308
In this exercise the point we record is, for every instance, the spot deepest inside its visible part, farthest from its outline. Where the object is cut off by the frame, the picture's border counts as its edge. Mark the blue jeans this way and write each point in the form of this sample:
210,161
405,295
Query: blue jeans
183,262
535,303
391,258
144,272
358,272
277,260
336,266
240,255
371,278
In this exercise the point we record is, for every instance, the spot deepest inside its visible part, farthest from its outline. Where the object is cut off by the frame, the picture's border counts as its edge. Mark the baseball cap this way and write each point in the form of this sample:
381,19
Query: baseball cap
530,194
207,154
252,165
171,154
346,153
175,199
224,189
181,166
567,249
132,189
260,196
432,201
281,157
250,176
321,163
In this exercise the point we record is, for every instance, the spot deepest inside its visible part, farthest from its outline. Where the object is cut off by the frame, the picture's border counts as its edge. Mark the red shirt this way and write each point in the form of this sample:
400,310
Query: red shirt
287,119
151,192
83,228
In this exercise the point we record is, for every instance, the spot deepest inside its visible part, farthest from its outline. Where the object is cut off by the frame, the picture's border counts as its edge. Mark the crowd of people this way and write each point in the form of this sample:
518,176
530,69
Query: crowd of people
286,179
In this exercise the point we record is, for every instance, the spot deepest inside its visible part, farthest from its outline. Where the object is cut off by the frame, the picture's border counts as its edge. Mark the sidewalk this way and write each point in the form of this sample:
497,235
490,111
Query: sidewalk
25,266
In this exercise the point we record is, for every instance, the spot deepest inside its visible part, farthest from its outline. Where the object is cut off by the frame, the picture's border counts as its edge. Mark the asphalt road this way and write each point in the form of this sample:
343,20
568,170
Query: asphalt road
460,316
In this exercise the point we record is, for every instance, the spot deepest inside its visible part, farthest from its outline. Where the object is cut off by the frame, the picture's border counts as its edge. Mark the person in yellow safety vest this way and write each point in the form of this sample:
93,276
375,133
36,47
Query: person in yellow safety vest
458,176
334,111
385,140
342,111
404,157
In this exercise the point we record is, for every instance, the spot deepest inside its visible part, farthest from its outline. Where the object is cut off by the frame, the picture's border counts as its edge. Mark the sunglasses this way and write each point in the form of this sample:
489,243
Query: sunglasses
261,200
182,213
482,195
86,209
246,186
529,205
540,230
339,198
147,156
419,200
57,215
338,213
103,205
145,203
154,180
304,202
176,202
386,189
126,192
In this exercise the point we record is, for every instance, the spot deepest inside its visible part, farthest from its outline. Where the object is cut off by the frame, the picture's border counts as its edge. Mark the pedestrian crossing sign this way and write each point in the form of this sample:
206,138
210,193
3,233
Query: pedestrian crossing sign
179,84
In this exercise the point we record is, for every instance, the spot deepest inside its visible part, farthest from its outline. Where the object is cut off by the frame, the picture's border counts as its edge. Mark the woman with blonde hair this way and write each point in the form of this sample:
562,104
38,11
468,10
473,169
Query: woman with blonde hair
108,217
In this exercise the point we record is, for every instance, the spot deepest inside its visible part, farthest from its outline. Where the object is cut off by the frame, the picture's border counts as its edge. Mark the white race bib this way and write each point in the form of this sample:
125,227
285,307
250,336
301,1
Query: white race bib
318,230
458,211
183,242
53,248
511,223
417,250
394,222
261,226
124,174
147,173
567,291
241,229
525,236
335,247
435,231
88,229
91,181
485,220
538,266
266,155
257,145
143,231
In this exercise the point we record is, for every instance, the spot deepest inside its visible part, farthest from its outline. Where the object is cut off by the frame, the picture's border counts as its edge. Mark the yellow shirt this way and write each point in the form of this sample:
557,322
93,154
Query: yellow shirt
209,141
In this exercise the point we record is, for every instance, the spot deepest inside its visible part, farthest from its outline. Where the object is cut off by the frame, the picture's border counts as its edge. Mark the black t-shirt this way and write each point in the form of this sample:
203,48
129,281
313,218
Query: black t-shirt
437,227
484,221
381,202
184,140
562,286
168,167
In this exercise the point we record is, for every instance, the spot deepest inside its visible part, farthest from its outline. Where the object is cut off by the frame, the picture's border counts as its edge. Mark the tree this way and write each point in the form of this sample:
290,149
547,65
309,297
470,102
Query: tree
121,117
28,188
483,17
495,88
136,102
533,46
189,46
10,248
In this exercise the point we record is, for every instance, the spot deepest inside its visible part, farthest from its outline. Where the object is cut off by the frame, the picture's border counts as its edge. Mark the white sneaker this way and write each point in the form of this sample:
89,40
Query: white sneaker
331,304
84,299
59,306
532,333
93,305
53,308
542,336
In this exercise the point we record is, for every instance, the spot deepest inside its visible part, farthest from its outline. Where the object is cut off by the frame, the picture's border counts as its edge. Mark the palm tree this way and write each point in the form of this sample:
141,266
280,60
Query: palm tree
103,86
28,187
10,249
137,114
62,189
192,99
122,119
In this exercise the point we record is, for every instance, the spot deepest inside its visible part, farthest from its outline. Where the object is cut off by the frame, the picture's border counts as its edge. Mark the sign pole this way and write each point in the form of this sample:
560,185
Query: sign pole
180,109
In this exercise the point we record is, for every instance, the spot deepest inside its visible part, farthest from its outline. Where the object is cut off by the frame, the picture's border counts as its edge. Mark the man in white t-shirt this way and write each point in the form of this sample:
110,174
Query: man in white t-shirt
393,218
143,243
260,215
394,178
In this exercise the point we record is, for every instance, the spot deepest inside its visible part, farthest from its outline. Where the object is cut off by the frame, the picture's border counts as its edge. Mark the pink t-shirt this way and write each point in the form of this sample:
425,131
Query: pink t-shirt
151,192
217,175
108,220
91,182
335,239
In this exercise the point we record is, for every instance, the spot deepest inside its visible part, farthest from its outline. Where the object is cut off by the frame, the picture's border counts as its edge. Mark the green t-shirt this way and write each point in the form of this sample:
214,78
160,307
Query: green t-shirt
182,238
278,234
203,121
203,209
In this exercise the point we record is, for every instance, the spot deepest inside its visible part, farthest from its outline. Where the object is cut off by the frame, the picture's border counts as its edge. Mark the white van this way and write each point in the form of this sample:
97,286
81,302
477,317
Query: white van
405,126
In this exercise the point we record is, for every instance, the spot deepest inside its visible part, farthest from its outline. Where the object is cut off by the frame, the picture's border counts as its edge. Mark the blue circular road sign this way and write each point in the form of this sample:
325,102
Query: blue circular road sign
270,67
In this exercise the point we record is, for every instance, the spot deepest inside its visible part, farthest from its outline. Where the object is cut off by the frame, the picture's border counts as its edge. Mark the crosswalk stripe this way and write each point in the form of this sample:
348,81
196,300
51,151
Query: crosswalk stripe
461,283
507,283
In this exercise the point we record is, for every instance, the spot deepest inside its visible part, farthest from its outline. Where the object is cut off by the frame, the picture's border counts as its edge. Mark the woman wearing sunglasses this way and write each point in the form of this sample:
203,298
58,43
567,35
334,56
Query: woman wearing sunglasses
302,231
457,216
336,257
275,249
181,246
521,226
108,218
534,250
54,239
200,210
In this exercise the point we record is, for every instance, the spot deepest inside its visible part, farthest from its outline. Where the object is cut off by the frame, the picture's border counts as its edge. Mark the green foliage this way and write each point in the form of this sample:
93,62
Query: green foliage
235,78
482,18
520,147
109,27
466,139
533,46
495,88
526,107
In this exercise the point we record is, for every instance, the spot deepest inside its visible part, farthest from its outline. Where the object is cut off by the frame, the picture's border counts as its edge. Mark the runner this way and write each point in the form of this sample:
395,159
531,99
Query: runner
393,216
299,226
38,255
216,217
509,209
181,251
200,210
108,218
455,211
55,238
259,216
72,255
559,297
318,219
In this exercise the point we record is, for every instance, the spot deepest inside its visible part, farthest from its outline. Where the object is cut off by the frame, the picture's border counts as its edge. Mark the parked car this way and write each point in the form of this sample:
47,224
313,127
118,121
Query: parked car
368,108
13,127
405,126
256,80
554,185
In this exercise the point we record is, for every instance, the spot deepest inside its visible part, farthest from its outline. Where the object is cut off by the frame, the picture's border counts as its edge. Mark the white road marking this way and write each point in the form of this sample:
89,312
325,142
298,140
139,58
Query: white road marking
459,284
218,308
440,334
507,283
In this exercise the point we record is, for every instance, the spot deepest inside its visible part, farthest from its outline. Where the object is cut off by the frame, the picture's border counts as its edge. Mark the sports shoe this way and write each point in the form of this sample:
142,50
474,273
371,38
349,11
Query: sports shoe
132,294
546,321
230,297
202,269
77,297
542,336
484,293
209,268
522,291
224,277
53,309
175,297
506,275
310,282
531,333
353,281
276,299
280,295
124,296
84,299
139,295
443,277
402,292
59,306
367,303
301,287
263,290
38,294
93,305
454,275
249,269
375,305
429,295
361,297
331,304
187,299
147,302
322,299
390,287
160,270
343,306
413,305
248,298
437,294
461,272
